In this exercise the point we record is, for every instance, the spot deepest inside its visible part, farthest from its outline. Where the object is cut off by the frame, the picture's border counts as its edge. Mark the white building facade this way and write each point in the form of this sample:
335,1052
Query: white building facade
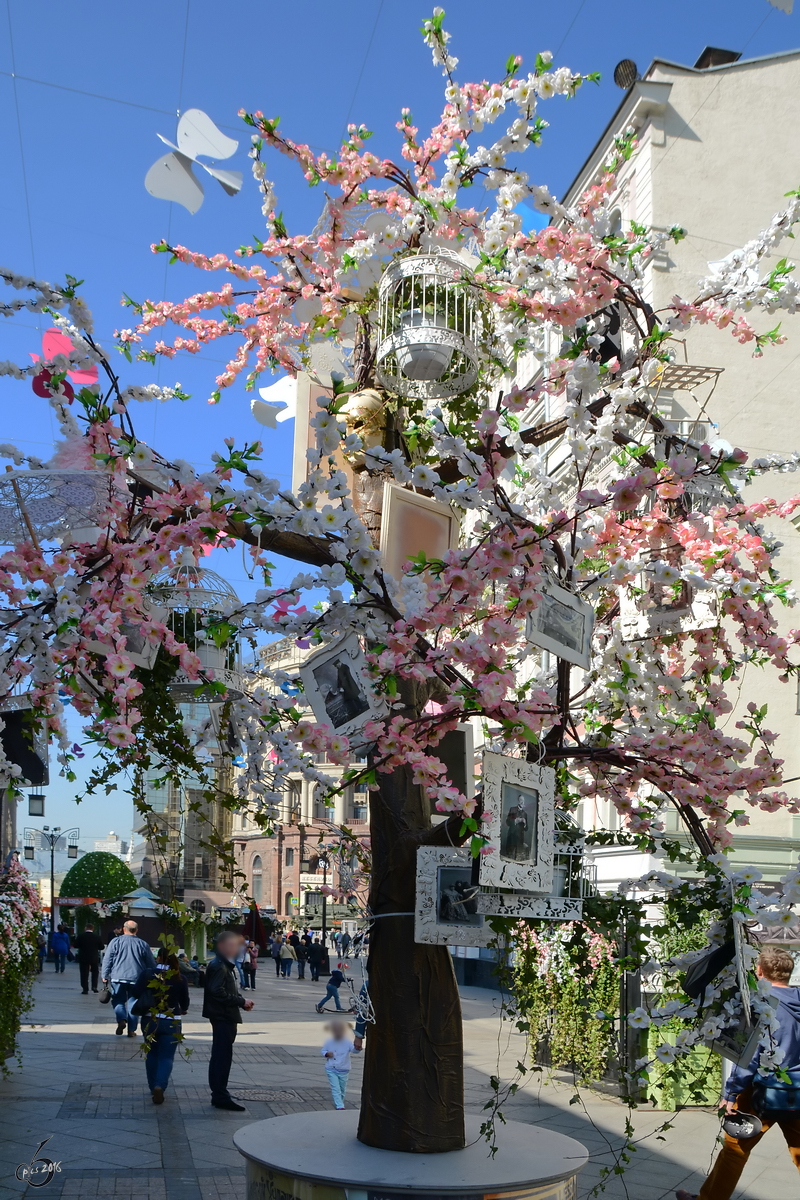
717,151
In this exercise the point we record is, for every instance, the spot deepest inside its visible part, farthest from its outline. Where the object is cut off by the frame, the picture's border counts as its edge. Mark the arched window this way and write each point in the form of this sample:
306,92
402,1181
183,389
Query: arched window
198,906
257,887
289,856
288,904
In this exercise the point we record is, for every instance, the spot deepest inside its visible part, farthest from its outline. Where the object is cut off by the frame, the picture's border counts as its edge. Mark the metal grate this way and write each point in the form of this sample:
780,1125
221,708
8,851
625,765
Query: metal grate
268,1095
682,377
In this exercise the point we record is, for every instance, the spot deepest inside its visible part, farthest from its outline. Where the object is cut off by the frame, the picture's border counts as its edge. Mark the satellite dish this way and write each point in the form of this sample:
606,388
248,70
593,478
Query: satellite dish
625,74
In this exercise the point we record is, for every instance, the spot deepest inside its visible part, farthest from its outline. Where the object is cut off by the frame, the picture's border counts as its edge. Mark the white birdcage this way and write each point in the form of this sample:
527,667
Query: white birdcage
196,600
429,323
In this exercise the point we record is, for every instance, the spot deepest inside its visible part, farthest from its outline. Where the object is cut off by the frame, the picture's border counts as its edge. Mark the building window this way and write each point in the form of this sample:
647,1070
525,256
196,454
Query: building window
289,904
293,799
256,886
289,856
198,906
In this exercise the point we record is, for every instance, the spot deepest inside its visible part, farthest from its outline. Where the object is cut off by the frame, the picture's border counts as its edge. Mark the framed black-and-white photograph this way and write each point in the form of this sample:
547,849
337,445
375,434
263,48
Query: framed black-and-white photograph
337,685
518,797
446,904
651,609
412,524
562,623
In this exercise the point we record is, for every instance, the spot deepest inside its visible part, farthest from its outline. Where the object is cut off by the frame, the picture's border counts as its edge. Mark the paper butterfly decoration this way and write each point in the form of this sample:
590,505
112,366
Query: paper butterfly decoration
172,177
55,342
324,364
784,5
278,402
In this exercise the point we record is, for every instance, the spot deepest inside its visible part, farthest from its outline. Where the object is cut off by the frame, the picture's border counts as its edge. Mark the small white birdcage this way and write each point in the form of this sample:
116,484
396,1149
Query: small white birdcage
429,325
196,600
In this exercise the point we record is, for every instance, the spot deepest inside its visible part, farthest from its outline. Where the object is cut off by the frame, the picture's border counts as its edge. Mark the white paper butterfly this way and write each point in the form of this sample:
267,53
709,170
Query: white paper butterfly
278,403
172,177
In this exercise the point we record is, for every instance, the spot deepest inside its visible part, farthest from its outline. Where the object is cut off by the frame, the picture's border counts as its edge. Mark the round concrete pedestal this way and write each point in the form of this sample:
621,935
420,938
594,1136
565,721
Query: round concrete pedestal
315,1156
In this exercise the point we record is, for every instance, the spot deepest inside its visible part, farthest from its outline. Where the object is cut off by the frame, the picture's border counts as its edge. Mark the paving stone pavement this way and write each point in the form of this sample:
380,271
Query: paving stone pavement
85,1090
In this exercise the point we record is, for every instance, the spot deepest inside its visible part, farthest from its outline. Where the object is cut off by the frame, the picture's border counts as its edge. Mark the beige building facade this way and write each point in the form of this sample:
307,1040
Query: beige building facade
717,151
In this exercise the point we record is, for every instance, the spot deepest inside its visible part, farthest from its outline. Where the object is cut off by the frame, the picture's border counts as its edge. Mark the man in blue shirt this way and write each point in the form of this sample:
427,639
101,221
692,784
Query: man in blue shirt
776,966
124,961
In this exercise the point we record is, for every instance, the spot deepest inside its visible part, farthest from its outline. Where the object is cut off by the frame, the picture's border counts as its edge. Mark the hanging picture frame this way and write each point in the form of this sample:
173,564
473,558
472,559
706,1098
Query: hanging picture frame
520,799
648,610
337,685
562,623
457,751
520,907
446,911
412,524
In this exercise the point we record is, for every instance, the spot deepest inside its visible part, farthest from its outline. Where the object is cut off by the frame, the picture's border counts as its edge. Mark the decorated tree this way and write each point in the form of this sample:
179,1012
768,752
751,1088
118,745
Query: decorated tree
431,306
99,874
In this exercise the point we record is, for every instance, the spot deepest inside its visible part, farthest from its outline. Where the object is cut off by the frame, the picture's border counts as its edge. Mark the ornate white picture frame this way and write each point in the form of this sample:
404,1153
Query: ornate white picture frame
412,524
520,907
640,618
562,623
520,798
337,685
446,912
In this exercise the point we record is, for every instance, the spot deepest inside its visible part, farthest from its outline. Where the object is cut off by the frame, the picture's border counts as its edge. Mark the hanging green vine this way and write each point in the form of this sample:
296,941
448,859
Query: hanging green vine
564,975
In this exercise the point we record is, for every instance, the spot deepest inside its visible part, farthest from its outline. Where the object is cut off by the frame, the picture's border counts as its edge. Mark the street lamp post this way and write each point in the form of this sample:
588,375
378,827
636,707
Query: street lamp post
52,839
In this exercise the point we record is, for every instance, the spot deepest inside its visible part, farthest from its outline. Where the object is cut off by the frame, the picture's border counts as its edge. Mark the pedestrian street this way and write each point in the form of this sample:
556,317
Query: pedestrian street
85,1089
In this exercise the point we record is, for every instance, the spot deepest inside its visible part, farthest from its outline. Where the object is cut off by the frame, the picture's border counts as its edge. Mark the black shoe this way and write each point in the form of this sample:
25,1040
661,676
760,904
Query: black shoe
95,991
85,992
230,1105
158,1095
120,1028
131,1033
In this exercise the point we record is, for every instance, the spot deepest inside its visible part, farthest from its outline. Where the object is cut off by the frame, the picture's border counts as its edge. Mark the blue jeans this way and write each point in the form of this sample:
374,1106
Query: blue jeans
165,1033
60,962
338,1082
331,993
286,967
121,993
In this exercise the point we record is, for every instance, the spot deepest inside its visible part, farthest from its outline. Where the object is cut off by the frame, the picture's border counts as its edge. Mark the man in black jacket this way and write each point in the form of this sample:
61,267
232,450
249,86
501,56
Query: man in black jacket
88,945
222,1005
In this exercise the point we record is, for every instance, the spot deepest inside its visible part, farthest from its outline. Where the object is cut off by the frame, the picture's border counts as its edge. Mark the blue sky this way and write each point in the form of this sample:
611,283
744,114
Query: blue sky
73,197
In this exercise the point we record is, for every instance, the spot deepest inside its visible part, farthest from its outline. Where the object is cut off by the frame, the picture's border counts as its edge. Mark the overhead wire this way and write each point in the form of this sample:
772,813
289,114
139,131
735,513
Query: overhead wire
363,67
25,190
687,124
171,203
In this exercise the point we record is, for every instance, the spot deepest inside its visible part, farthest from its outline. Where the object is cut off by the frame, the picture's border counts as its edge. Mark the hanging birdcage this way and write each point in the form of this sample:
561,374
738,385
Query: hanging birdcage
196,600
429,324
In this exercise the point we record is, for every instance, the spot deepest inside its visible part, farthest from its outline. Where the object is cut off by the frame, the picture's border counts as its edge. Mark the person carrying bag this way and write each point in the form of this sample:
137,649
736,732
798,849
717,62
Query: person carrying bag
773,1099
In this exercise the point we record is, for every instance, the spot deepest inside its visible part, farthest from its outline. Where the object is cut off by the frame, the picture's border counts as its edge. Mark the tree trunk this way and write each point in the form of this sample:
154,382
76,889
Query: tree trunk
413,1093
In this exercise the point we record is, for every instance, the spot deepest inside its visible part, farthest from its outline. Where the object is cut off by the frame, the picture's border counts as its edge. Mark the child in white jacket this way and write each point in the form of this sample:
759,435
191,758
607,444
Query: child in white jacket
336,1052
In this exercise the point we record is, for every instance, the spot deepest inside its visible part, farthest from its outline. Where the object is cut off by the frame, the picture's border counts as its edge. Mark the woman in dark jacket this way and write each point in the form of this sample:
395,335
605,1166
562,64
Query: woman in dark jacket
162,997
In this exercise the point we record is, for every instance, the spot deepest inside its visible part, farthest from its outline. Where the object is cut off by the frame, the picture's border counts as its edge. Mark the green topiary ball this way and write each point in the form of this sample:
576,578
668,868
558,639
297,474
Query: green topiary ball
98,874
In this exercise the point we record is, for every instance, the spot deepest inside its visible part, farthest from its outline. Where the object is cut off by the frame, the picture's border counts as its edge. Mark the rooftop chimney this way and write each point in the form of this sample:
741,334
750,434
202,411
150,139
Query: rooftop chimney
712,56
